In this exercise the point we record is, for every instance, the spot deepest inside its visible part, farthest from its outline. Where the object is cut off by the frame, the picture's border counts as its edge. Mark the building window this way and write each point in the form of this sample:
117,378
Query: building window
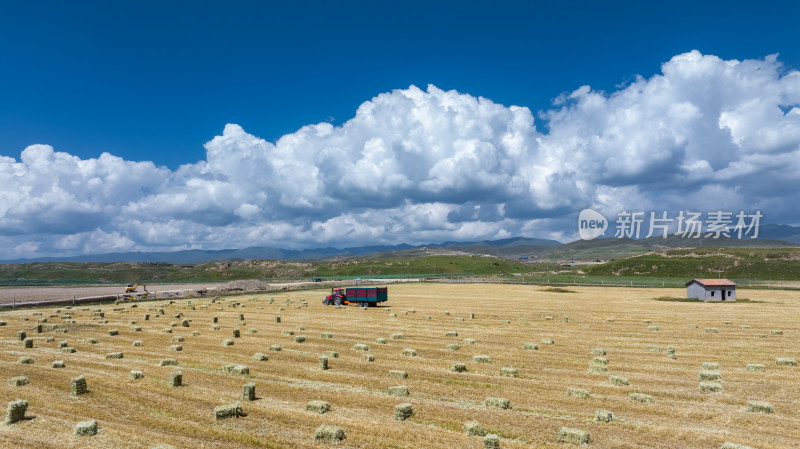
712,293
729,293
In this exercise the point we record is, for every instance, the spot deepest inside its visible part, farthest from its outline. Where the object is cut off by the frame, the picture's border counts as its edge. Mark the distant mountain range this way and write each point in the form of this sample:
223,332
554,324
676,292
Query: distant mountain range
534,248
265,252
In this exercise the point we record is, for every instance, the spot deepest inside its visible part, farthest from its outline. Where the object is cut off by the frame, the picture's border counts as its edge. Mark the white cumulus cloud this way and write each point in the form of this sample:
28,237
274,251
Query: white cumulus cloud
418,165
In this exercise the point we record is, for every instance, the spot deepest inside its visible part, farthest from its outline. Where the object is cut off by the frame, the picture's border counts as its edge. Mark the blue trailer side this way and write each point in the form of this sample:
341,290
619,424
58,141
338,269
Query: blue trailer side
367,295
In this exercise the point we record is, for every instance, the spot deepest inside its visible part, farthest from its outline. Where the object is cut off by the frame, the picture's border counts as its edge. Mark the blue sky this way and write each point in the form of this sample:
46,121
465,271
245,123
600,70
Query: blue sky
149,80
154,84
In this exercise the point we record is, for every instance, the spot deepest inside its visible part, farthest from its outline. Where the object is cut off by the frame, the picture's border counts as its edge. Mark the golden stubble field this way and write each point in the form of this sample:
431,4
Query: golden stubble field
148,412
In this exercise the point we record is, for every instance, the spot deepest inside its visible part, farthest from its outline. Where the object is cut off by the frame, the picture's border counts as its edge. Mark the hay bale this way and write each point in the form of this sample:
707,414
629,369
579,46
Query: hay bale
16,411
573,436
481,359
729,445
785,361
399,374
711,330
136,374
468,341
228,411
398,336
260,356
215,328
530,346
458,367
331,354
548,341
408,352
451,334
168,362
600,361
360,347
236,333
618,380
548,318
316,406
63,344
710,387
178,339
597,368
68,350
453,347
185,323
641,397
403,411
654,348
745,326
326,335
760,407
653,327
167,331
603,416
86,428
78,385
18,381
329,433
287,332
399,390
274,348
90,340
491,441
501,403
508,371
708,375
474,428
227,342
671,352
756,367
249,391
776,332
235,369
28,342
175,379
392,314
323,362
58,364
113,332
710,366
577,393
300,339
115,355
367,358
598,351
195,333
21,335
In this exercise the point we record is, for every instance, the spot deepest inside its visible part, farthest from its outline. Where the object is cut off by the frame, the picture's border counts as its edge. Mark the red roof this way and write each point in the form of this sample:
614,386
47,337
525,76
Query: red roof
713,282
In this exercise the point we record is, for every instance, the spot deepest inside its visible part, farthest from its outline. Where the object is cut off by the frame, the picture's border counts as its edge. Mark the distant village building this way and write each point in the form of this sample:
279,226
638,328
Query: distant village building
711,289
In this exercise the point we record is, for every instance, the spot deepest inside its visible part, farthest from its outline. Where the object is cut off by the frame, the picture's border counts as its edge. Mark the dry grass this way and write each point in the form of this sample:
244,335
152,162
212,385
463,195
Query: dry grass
147,412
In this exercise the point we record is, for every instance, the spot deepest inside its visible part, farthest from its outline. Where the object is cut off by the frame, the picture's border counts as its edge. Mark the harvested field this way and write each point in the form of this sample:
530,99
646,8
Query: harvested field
145,412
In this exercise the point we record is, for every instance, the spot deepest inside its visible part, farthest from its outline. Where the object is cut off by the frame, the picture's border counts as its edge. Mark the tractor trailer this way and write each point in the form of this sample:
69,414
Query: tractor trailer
363,296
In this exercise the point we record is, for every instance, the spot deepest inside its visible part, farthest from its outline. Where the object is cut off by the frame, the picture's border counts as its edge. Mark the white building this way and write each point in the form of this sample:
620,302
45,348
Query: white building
711,289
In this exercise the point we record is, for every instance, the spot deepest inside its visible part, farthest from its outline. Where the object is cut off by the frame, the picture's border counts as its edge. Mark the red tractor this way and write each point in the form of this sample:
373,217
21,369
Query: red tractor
337,297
